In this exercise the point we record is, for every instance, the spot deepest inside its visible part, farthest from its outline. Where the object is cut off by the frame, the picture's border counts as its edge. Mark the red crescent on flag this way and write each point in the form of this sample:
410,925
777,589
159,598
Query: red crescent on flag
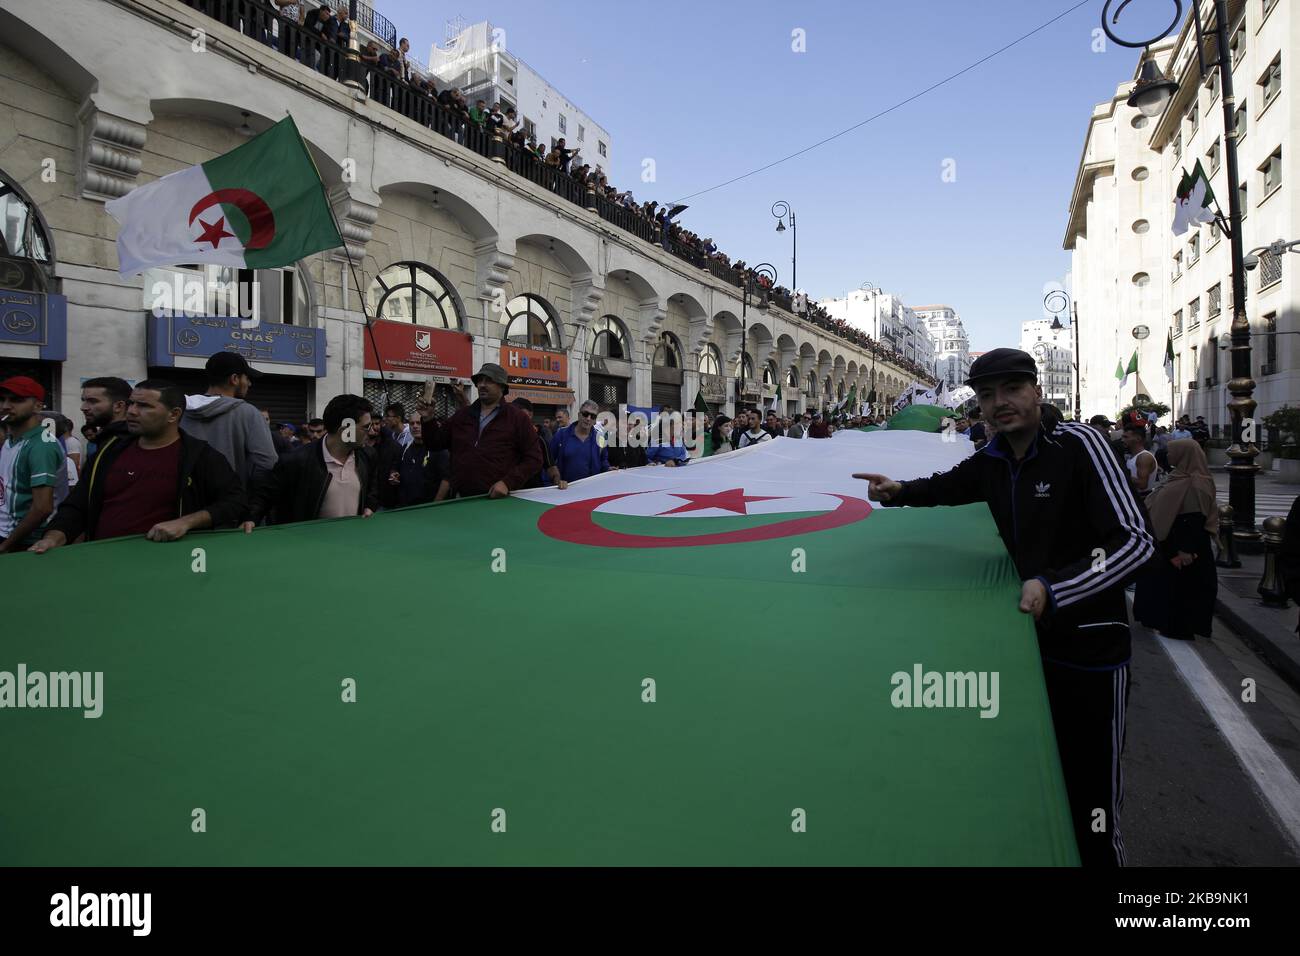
573,523
261,221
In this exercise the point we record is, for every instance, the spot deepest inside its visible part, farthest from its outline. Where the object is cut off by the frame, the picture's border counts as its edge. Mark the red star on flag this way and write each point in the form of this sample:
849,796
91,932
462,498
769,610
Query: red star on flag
214,232
733,501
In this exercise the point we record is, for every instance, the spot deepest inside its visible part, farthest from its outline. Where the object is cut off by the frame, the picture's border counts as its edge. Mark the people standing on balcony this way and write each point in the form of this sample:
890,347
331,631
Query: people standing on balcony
510,121
496,118
566,155
344,29
478,114
403,64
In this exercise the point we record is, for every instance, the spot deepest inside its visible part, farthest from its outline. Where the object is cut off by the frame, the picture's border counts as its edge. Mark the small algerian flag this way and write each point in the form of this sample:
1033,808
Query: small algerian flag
1131,370
1169,355
700,405
853,399
260,206
1119,371
1192,204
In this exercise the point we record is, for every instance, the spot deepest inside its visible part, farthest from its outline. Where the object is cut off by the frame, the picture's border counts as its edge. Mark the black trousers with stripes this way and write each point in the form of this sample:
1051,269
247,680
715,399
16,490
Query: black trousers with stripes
1088,709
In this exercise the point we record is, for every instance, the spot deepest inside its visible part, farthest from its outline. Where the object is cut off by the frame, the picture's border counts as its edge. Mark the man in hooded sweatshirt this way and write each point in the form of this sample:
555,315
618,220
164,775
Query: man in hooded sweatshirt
228,423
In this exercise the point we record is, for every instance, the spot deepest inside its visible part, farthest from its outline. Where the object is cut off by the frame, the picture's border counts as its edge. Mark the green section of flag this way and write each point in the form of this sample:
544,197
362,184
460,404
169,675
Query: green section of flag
1132,365
276,167
1119,370
509,698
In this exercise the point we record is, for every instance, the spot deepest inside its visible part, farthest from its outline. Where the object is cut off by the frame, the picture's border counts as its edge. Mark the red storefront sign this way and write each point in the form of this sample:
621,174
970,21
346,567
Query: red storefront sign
536,367
409,349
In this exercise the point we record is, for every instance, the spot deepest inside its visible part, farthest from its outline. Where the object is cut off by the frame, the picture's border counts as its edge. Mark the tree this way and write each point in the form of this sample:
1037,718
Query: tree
1143,404
1286,423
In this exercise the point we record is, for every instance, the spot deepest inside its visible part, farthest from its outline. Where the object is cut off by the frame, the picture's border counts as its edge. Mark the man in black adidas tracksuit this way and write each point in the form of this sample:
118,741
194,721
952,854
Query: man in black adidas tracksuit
1078,536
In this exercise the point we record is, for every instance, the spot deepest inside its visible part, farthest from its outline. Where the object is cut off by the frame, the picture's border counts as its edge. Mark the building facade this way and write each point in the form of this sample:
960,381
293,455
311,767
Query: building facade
477,61
1136,284
462,255
1053,351
887,319
951,344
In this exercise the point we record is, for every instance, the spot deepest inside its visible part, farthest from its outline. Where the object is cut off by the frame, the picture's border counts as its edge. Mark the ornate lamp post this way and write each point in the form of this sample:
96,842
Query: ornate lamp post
1151,95
753,286
782,211
1056,302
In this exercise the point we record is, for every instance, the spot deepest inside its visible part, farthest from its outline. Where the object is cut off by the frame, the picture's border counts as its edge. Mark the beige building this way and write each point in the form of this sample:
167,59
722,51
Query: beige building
1129,270
464,253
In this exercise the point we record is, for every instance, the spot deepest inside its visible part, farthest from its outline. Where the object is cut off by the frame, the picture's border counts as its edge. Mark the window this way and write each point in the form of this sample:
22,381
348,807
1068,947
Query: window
1178,264
1212,360
769,375
1271,82
1270,269
1216,300
530,128
1243,199
1194,313
563,123
1139,122
668,354
1213,156
1178,322
604,150
266,295
1178,146
531,323
412,292
745,368
582,132
1237,42
711,361
1272,172
1215,234
1270,341
1194,117
1268,7
1213,85
21,234
1141,227
1141,173
609,339
1194,250
1141,279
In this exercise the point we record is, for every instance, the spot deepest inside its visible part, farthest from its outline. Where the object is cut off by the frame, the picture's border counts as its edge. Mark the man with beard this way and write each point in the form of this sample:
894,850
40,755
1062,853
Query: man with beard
103,405
31,462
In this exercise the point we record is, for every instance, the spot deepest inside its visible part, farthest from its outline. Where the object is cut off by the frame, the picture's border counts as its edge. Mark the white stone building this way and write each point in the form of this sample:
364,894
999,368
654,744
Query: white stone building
1130,271
951,344
1053,350
478,62
461,258
887,319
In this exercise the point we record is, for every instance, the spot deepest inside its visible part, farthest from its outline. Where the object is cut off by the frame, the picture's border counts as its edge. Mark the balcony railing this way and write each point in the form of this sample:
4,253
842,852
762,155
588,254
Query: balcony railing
256,19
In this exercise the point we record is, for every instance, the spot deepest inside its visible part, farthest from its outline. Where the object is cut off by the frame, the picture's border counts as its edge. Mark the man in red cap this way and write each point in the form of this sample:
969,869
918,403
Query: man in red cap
31,461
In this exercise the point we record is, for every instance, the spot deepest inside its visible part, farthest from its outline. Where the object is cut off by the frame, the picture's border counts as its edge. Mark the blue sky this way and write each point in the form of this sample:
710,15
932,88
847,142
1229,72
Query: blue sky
711,90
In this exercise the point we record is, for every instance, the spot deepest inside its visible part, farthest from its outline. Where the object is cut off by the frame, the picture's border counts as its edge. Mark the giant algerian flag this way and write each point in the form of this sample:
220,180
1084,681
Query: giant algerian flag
259,206
739,661
1194,200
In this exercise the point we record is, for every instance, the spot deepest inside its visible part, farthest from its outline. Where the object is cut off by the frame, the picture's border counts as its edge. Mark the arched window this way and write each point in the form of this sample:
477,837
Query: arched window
746,367
826,387
668,353
812,383
792,378
22,236
711,361
532,323
609,339
839,391
769,375
412,292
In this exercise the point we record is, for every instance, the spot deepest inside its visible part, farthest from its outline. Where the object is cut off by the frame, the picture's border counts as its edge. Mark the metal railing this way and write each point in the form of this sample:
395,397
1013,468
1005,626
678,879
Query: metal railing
256,19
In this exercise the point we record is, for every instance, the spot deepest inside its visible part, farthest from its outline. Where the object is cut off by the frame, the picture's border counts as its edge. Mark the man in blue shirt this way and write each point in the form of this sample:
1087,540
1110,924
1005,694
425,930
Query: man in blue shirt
579,449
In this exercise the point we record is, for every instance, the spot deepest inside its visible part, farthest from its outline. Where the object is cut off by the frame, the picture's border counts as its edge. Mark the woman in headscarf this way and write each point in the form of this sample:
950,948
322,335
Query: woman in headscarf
1175,596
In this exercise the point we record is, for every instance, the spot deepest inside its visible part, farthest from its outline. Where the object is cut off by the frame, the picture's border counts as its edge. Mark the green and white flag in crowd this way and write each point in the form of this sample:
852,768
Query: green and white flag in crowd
1194,200
753,636
259,206
1131,370
1169,355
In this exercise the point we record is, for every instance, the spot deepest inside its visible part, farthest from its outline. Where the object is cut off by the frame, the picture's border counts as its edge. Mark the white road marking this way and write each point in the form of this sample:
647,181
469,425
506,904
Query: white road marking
1272,778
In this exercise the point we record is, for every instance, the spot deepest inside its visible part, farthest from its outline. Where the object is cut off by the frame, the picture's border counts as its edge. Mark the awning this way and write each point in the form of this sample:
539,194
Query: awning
541,396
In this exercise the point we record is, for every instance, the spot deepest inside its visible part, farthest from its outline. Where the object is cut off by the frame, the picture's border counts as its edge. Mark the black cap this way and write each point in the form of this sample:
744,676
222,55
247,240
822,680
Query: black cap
1003,363
1101,420
222,365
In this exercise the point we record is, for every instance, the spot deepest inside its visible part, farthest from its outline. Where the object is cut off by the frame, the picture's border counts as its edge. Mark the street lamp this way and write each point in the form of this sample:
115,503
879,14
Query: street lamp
1056,302
752,285
1154,92
781,209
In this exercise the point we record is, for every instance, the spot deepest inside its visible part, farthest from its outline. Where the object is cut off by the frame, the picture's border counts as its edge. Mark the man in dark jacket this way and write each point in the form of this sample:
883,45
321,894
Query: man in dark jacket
157,480
493,444
413,469
1078,536
387,456
224,420
331,478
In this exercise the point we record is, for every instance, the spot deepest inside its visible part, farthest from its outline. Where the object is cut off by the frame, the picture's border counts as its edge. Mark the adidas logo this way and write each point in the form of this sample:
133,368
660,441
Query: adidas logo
1042,490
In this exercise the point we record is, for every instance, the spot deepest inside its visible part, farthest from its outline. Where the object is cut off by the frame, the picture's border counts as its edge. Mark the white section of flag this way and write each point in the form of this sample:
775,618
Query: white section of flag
155,228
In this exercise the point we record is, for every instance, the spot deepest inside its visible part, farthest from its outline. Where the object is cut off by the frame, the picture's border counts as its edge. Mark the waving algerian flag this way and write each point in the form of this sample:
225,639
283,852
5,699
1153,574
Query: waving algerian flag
259,206
1194,200
1123,373
1169,355
812,677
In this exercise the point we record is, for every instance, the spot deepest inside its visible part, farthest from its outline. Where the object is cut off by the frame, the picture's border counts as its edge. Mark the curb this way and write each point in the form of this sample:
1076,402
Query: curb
1265,646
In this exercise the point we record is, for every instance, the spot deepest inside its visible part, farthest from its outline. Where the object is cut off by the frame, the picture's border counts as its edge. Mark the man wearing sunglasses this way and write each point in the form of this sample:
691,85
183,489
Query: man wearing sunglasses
579,450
